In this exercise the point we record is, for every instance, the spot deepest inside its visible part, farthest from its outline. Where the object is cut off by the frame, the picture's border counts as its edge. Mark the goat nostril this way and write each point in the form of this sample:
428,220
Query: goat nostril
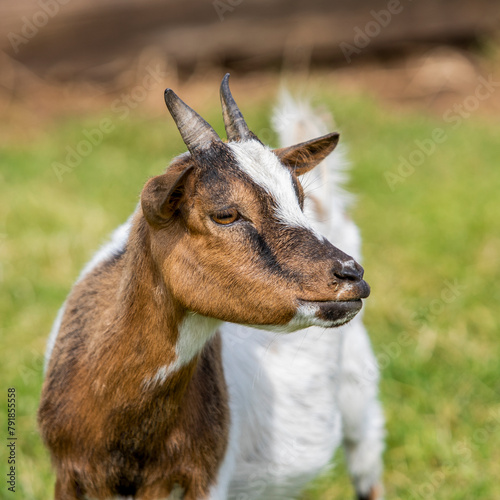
351,270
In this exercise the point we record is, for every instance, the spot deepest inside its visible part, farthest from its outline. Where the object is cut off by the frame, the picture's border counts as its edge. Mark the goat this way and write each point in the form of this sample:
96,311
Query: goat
152,387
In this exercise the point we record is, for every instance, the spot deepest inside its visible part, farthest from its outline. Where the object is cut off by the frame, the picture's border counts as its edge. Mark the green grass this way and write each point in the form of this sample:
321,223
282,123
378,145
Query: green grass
431,250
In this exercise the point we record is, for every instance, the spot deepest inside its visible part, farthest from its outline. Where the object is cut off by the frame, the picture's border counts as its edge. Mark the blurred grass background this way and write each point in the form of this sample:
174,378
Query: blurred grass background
431,248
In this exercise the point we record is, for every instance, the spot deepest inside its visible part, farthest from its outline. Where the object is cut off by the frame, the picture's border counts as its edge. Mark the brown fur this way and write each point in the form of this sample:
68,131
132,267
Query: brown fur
106,432
306,155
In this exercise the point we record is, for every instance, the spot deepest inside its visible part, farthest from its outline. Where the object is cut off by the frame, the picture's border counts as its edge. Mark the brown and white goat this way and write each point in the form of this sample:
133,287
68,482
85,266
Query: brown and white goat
135,400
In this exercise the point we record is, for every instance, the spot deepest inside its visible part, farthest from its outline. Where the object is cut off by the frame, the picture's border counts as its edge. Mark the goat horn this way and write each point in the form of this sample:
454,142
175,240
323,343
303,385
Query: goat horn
236,127
196,133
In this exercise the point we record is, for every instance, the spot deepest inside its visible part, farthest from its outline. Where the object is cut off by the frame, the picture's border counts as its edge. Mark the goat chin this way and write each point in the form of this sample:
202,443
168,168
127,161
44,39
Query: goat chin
324,314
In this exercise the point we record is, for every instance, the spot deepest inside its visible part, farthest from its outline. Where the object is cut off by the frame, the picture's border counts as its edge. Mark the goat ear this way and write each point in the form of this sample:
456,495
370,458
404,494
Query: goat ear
162,194
305,156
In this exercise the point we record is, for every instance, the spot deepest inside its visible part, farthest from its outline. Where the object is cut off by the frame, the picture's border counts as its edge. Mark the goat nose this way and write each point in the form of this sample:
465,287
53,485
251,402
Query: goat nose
350,270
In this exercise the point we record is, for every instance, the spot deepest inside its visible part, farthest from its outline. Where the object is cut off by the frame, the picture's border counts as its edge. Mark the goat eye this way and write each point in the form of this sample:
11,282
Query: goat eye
226,216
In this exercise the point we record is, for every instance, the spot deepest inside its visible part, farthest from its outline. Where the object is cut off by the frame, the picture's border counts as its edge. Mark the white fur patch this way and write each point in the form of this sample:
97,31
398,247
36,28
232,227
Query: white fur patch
264,168
194,332
159,378
177,493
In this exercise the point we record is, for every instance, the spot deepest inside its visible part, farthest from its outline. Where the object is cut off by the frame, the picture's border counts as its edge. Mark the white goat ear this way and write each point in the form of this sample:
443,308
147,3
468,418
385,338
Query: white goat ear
305,156
162,194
